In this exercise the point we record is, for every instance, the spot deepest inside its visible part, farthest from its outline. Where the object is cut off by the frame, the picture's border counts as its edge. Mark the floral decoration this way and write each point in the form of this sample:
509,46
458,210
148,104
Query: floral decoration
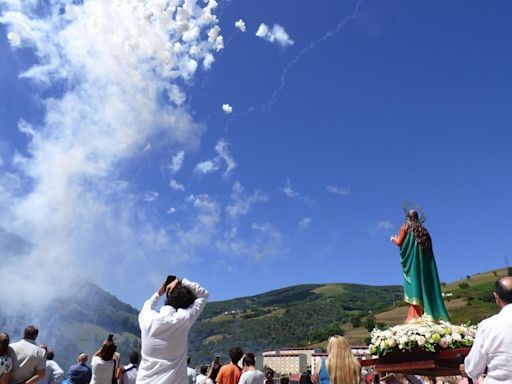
424,335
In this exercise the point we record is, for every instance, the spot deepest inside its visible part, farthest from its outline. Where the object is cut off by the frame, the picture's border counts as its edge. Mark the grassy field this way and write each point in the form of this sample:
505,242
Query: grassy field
471,301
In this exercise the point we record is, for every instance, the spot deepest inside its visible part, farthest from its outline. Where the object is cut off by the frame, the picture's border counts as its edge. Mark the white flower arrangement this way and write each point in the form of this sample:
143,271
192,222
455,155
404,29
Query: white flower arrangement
424,335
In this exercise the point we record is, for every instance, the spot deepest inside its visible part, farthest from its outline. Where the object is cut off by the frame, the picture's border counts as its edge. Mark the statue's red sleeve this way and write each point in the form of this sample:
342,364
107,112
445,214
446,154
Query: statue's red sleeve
401,235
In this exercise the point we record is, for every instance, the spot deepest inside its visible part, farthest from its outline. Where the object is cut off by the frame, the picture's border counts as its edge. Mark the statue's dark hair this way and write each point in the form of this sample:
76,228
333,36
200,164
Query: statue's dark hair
419,232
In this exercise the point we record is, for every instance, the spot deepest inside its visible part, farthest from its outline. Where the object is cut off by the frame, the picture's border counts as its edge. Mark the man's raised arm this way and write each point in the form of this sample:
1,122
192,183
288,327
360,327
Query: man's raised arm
201,298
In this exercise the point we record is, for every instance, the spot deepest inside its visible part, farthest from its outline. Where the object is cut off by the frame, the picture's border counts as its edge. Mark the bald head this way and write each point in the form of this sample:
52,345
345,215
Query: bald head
503,289
82,358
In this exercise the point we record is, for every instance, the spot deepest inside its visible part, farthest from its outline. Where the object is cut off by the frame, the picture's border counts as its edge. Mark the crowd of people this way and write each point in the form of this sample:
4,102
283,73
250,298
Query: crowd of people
164,358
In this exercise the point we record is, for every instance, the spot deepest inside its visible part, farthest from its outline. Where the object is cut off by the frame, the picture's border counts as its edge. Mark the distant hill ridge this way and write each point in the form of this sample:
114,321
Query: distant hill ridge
293,316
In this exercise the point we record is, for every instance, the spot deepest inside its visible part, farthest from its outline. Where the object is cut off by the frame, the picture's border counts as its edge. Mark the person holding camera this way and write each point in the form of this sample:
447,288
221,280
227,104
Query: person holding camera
104,363
164,333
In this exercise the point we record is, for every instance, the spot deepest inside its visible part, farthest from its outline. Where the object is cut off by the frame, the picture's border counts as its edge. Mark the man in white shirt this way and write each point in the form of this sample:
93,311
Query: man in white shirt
191,373
164,334
492,348
28,360
201,378
54,373
128,374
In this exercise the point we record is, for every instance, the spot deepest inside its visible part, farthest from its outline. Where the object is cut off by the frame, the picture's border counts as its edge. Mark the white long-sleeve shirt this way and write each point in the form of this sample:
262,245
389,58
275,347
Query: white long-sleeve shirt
492,349
164,337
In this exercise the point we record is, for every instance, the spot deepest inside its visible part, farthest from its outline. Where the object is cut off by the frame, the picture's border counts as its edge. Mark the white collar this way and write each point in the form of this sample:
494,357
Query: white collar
507,308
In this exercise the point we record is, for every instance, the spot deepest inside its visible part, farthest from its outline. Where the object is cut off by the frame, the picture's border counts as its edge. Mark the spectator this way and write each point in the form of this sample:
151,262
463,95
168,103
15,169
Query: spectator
250,374
28,360
80,373
340,367
164,334
214,369
201,378
5,360
492,348
191,372
269,376
103,363
53,373
128,374
230,373
305,378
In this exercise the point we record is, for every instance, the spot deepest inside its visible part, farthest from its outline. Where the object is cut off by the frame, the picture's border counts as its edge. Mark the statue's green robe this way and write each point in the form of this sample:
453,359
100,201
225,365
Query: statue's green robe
421,281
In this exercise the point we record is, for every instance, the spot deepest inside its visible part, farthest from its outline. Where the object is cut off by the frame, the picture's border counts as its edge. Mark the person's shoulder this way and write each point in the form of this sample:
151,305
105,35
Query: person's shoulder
489,322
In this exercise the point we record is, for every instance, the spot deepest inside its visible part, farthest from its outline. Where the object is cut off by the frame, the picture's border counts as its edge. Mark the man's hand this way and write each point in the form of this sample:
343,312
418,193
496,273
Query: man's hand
165,289
171,286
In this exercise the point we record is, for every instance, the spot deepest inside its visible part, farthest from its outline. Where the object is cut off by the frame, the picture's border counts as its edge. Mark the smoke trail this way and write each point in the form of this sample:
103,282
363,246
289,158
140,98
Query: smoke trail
116,72
282,84
308,48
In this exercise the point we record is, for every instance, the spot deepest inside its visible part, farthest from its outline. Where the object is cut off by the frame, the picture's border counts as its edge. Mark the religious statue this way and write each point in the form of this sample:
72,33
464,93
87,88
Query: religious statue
421,281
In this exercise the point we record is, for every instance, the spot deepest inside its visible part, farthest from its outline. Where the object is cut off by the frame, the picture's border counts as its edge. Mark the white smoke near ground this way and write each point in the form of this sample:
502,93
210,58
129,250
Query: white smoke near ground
117,73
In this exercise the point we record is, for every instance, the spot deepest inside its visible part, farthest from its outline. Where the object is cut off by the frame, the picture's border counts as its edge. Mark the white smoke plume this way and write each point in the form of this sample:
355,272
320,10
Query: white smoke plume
276,34
116,72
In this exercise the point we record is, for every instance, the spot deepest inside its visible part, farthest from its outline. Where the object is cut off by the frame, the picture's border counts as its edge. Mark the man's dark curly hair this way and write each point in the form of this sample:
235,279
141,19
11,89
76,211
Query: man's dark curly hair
180,297
235,354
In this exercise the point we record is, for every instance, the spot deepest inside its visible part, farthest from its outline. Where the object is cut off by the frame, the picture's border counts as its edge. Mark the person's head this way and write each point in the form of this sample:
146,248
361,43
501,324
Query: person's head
412,216
82,358
249,360
134,357
180,297
342,367
305,378
50,355
503,291
269,374
204,369
188,359
30,333
235,354
217,359
108,349
4,344
419,232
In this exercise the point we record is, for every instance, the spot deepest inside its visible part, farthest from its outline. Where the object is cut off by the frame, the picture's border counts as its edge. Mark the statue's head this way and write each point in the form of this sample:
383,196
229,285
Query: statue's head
412,215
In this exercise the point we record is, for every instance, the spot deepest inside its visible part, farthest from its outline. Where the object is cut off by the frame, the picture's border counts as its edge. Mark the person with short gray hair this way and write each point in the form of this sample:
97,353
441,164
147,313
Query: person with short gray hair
28,360
492,348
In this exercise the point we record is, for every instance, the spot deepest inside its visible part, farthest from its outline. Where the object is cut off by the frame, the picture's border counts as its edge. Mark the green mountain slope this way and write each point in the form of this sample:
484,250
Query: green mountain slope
79,323
293,316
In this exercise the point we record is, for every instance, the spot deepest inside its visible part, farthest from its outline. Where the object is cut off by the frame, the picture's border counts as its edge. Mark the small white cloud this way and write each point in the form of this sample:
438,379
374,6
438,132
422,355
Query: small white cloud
276,34
288,190
384,225
222,148
241,203
207,166
227,108
177,162
147,147
340,191
150,196
176,186
304,223
240,24
14,39
171,211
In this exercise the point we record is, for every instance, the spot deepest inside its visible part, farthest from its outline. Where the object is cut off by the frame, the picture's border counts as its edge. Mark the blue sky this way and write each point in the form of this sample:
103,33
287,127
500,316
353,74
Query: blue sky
358,107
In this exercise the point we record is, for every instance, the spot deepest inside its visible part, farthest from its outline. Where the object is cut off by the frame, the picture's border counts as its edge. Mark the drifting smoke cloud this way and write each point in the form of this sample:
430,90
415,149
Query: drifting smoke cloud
124,65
